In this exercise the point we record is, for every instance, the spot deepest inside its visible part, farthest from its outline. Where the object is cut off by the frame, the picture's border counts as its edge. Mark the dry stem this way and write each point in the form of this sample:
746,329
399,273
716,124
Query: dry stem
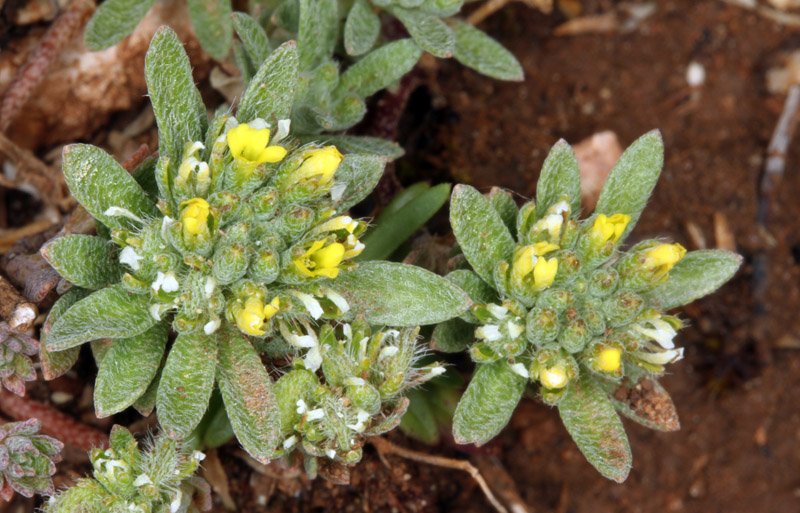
385,447
492,6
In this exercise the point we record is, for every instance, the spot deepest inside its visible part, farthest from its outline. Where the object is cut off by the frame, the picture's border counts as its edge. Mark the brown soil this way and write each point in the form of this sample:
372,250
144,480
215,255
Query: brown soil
738,389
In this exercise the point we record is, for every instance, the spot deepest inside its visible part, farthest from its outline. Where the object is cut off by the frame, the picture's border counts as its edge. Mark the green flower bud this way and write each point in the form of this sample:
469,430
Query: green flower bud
525,219
553,368
574,336
556,299
365,396
592,314
542,326
622,307
230,263
264,203
603,282
265,266
294,222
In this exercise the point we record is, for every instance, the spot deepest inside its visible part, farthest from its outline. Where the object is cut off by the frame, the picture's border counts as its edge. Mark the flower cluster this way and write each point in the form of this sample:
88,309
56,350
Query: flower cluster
159,479
569,300
27,459
359,391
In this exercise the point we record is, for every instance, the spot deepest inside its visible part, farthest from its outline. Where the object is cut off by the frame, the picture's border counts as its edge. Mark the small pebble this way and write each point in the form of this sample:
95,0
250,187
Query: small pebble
695,74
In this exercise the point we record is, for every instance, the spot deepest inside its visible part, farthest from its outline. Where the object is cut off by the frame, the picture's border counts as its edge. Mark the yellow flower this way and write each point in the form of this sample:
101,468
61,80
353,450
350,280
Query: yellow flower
194,217
609,359
321,259
353,246
609,229
530,260
554,377
251,145
252,317
660,259
321,164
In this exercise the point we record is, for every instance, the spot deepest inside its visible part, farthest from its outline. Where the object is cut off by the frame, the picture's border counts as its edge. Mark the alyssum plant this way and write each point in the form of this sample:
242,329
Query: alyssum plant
237,239
560,307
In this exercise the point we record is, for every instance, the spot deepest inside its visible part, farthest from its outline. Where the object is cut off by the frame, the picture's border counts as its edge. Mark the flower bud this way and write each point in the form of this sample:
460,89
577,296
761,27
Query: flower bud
264,203
622,307
320,259
606,358
556,299
230,263
294,222
265,266
194,175
553,368
364,397
574,336
542,325
313,176
603,282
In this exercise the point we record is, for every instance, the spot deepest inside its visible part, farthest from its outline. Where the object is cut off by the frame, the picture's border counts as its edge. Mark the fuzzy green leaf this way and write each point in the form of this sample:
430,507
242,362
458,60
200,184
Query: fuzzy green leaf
111,312
362,28
479,230
380,68
487,404
254,39
698,274
87,261
318,31
270,94
633,178
291,387
127,370
596,428
180,113
98,182
390,231
452,336
113,21
186,383
211,20
146,402
356,177
473,285
56,364
400,295
249,399
365,145
419,421
503,202
560,179
442,8
475,49
427,30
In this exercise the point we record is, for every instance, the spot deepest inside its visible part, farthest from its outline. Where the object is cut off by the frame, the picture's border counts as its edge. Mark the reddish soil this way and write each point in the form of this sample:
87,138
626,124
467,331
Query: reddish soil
738,389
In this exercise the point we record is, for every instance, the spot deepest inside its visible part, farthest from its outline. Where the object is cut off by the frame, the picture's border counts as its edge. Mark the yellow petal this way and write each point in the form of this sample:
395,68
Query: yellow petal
544,272
272,154
554,377
609,359
330,256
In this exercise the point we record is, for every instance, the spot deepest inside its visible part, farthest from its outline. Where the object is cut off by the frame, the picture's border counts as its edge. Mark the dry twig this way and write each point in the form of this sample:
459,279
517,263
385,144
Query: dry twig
54,423
15,309
31,75
492,6
32,174
385,447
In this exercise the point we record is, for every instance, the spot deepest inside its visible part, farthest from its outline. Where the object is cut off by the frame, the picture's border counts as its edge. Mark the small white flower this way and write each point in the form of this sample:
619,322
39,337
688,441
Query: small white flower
661,358
315,414
388,352
289,442
155,311
514,329
337,191
211,285
520,369
355,381
489,332
331,453
130,257
211,326
166,282
662,332
560,207
310,303
496,310
122,212
437,371
175,505
198,456
361,418
141,480
284,126
313,359
301,406
338,300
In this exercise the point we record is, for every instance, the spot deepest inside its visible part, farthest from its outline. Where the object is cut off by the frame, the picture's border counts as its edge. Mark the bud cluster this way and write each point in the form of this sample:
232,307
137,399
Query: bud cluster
359,391
16,366
27,459
571,302
159,478
248,232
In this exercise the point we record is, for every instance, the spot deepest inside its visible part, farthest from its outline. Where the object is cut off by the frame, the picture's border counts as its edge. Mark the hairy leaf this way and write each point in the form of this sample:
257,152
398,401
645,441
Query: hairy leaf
427,30
86,261
270,93
452,336
400,295
113,21
698,274
111,312
475,49
318,31
487,404
211,20
633,178
479,230
381,68
596,428
127,370
186,383
560,179
99,183
254,39
180,113
56,364
249,399
356,177
362,28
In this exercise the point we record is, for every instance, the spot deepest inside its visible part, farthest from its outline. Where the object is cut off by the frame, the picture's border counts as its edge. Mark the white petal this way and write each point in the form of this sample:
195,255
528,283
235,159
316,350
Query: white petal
170,283
211,284
337,191
331,453
313,359
355,381
388,352
437,371
301,406
520,369
284,126
311,304
122,212
289,442
130,257
514,329
489,332
211,326
338,300
315,414
496,310
142,480
258,124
